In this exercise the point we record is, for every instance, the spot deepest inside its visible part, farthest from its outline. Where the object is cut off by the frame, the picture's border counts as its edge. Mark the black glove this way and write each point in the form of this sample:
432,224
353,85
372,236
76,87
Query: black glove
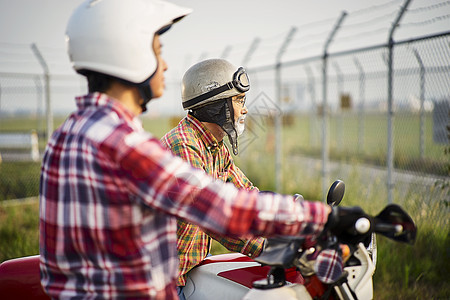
341,223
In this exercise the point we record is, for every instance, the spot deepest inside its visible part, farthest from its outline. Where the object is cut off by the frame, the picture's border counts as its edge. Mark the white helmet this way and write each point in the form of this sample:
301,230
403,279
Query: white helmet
211,80
114,37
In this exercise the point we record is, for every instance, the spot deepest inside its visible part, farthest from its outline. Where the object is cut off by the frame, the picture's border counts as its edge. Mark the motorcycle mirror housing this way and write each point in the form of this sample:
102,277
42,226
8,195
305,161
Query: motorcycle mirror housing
336,193
394,223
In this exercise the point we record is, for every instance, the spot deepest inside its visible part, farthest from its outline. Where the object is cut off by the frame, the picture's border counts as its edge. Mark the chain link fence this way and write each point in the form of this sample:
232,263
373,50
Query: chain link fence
357,114
25,118
384,107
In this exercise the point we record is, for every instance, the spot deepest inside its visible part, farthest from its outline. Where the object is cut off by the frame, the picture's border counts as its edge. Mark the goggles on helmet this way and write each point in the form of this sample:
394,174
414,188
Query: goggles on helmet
240,82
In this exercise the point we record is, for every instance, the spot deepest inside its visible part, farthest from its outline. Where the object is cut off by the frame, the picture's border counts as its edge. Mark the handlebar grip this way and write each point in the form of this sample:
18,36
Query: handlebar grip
388,228
362,225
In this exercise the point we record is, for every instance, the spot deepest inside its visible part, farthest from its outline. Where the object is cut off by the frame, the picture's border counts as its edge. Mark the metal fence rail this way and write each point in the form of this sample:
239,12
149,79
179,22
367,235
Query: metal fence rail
356,84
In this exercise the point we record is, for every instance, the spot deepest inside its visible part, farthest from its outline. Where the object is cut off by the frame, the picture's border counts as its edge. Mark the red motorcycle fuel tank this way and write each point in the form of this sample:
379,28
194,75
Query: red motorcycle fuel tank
20,279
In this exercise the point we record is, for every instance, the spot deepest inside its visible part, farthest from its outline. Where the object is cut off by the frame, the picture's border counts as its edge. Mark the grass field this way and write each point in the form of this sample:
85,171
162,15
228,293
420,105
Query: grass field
302,133
403,271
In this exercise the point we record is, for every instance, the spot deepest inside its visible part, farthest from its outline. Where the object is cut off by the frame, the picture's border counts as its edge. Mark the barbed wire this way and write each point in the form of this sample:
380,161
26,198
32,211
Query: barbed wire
263,54
322,34
425,22
28,46
269,44
429,7
14,44
307,46
319,36
375,7
19,54
16,61
346,38
16,51
370,22
353,13
5,54
315,24
367,23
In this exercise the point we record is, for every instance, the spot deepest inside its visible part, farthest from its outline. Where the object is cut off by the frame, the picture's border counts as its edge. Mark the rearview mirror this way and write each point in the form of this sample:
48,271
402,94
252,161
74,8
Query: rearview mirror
394,215
336,193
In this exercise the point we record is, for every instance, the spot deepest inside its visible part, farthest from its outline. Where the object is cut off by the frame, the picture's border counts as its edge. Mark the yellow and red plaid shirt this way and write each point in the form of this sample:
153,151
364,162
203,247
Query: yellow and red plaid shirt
193,142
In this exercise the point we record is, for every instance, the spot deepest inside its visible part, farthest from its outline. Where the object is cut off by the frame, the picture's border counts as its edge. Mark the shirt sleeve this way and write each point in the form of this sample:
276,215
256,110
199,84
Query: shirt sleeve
189,154
252,246
236,176
169,184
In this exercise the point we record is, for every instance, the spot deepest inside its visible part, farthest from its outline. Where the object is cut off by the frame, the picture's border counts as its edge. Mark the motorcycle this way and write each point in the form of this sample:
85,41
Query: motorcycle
287,268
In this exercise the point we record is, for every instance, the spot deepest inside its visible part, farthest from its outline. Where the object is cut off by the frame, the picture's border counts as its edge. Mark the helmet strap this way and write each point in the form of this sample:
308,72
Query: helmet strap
229,127
221,113
146,93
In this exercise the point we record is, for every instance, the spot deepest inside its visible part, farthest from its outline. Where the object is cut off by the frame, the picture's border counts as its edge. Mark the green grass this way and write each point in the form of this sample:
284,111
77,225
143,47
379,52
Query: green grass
303,135
19,230
403,271
19,180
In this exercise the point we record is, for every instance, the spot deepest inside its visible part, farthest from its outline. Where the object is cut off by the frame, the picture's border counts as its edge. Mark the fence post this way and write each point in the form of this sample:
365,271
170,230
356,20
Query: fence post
339,118
390,112
40,113
325,149
202,56
362,87
312,93
226,52
279,117
244,63
44,66
422,100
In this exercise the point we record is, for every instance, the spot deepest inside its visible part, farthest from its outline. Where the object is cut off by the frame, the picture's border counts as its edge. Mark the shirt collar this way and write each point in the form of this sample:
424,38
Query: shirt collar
204,133
98,100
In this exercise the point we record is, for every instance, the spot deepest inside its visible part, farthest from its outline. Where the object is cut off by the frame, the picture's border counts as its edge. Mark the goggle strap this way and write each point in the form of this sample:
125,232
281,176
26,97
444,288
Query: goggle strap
212,93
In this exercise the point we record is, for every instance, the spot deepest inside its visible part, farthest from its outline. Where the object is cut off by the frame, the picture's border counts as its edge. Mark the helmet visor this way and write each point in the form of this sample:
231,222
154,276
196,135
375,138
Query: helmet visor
240,82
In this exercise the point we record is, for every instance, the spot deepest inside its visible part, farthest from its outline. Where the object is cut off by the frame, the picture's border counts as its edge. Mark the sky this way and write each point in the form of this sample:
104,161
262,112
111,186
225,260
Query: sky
212,26
216,28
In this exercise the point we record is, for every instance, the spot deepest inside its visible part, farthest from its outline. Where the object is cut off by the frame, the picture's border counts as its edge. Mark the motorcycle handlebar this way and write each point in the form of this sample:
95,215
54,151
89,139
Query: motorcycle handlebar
362,225
383,228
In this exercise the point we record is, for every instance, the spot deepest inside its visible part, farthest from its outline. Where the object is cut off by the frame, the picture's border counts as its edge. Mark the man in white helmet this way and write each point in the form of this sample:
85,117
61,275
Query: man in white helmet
213,92
109,191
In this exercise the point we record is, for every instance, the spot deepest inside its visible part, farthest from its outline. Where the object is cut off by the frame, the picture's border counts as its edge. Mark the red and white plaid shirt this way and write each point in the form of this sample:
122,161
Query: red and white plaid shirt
109,193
